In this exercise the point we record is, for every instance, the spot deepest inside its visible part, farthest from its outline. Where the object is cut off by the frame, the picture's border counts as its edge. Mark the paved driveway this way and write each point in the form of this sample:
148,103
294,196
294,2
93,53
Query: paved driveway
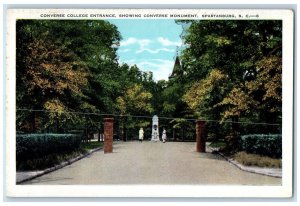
153,163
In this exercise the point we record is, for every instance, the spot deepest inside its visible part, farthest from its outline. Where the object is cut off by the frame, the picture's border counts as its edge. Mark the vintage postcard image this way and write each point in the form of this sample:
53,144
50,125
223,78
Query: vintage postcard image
149,103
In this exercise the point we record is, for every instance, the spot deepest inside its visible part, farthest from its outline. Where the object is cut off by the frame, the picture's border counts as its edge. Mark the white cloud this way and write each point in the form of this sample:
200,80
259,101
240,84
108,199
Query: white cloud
161,68
167,42
154,51
132,40
128,42
124,50
144,43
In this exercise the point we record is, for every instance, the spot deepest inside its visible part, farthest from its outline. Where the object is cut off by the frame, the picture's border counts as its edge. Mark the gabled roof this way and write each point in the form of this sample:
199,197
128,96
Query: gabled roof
176,68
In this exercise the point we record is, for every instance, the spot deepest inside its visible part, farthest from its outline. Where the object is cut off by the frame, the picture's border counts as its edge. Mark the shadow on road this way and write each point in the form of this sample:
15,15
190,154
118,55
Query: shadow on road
209,155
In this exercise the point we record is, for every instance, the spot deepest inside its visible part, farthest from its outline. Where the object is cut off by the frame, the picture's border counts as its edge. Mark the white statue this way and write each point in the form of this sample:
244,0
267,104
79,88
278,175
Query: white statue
155,129
141,135
164,135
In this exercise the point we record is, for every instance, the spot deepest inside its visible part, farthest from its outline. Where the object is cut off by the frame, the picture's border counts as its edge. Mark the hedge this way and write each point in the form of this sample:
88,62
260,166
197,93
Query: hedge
30,146
262,144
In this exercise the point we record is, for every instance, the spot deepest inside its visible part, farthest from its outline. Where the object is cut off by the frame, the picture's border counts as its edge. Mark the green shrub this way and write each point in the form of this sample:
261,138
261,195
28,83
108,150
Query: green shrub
31,146
262,144
47,161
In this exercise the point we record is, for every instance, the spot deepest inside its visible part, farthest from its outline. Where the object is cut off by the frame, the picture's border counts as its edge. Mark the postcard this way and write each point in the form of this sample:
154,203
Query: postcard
149,103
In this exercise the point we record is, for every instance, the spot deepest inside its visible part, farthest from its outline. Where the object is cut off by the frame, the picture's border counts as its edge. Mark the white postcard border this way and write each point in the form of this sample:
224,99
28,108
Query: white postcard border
285,190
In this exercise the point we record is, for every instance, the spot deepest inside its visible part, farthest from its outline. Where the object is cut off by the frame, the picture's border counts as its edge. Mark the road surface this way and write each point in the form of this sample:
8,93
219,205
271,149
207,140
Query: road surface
153,163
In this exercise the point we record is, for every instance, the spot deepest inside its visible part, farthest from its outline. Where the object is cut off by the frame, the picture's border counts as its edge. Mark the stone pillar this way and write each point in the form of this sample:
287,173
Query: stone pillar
155,129
200,136
108,135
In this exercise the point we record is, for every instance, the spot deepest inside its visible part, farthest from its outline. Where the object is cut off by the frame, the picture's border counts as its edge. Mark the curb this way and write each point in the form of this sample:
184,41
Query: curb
277,173
56,167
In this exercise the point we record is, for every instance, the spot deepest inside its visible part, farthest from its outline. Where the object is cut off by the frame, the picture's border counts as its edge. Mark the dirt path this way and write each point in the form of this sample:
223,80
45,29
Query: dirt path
153,163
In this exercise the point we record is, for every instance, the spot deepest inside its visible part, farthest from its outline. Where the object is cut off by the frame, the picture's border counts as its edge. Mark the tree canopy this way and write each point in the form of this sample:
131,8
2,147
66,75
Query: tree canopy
226,70
69,67
234,68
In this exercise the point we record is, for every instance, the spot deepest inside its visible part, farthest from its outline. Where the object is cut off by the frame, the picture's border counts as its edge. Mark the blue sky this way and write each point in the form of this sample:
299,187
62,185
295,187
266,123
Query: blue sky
150,44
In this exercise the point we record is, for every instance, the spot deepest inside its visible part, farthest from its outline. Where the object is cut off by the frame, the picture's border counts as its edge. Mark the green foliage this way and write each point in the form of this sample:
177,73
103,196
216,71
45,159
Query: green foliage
48,77
31,146
172,103
67,66
227,70
204,94
90,145
233,70
262,144
217,144
44,161
47,161
142,123
135,101
260,94
180,122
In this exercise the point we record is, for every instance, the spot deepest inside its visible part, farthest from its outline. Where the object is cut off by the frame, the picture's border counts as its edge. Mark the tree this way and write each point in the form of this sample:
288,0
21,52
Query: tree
234,47
52,78
135,101
206,93
261,96
247,55
66,66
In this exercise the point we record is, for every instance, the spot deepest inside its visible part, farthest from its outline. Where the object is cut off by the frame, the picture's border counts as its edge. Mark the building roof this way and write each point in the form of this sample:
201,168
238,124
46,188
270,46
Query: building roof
176,68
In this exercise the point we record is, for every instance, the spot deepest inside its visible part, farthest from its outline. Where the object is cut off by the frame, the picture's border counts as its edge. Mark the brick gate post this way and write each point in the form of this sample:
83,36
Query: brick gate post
108,135
200,135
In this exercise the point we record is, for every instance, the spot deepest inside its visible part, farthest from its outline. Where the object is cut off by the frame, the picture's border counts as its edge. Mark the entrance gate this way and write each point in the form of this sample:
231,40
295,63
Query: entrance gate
108,134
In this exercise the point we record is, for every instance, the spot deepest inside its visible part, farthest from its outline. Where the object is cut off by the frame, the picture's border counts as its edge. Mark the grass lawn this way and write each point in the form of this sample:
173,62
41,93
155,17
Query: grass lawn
256,160
218,144
249,159
91,145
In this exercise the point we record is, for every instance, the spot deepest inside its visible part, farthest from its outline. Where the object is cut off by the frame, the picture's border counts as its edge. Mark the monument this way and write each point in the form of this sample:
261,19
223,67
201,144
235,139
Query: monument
155,129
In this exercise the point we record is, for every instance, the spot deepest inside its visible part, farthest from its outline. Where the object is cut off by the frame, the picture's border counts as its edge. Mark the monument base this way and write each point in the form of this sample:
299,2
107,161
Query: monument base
155,137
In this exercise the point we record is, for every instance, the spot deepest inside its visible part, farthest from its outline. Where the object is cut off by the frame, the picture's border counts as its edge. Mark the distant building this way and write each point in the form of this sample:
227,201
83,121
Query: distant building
176,69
